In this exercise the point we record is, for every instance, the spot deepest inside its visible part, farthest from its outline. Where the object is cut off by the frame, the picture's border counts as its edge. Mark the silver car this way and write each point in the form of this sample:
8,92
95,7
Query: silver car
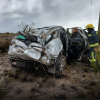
47,47
40,47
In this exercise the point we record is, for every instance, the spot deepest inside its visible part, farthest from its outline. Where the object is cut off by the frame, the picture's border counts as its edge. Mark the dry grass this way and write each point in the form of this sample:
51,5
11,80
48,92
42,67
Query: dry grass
4,89
10,73
19,90
29,78
23,77
93,93
59,96
51,83
79,78
5,41
4,45
97,67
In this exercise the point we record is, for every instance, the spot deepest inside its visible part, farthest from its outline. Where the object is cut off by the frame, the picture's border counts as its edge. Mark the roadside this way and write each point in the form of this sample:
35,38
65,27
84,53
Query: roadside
77,82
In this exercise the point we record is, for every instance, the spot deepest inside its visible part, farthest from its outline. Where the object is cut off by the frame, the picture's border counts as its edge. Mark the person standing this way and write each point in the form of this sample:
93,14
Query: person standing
76,48
93,42
75,33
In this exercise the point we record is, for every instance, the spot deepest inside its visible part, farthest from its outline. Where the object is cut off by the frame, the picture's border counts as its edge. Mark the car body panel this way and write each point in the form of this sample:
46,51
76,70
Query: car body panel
49,46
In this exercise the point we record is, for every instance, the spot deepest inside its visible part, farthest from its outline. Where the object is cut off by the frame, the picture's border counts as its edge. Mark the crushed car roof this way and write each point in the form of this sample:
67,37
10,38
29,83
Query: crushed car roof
52,26
46,30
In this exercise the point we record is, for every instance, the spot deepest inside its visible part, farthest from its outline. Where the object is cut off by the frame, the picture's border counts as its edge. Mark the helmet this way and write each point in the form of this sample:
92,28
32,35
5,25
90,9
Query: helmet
74,29
89,26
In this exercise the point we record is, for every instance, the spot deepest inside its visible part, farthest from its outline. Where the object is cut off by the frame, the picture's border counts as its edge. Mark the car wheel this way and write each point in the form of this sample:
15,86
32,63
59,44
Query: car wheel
60,64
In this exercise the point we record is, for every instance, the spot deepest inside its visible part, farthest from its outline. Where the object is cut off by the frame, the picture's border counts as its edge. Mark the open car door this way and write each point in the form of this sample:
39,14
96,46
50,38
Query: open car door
78,45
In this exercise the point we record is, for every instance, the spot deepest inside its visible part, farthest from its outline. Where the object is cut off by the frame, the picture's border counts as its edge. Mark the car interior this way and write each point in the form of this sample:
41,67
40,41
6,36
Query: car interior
75,45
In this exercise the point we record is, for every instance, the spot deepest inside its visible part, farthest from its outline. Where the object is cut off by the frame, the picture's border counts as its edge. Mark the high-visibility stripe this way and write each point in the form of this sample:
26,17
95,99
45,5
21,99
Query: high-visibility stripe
92,45
97,33
89,35
93,59
96,44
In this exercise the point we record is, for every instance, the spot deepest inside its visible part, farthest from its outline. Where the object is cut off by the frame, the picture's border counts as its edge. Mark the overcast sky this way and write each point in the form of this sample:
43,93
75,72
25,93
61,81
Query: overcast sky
66,13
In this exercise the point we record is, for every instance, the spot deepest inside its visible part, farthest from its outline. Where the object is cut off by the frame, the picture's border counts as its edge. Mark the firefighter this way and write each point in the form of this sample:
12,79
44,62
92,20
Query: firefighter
75,33
76,48
93,42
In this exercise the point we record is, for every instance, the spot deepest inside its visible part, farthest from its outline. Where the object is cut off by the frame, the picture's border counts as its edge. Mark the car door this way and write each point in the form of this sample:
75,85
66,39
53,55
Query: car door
63,38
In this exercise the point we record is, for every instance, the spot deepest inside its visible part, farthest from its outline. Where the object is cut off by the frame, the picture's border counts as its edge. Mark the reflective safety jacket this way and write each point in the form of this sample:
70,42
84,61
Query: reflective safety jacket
93,39
97,33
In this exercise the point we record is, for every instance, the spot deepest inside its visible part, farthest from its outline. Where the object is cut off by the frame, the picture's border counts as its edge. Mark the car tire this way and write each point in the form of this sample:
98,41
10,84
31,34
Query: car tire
61,64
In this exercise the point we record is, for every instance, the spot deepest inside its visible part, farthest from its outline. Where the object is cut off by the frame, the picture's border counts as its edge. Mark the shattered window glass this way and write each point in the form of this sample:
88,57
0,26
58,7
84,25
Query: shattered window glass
48,38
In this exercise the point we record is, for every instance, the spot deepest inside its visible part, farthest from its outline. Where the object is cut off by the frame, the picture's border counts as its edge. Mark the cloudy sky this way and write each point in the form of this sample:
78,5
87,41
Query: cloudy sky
66,13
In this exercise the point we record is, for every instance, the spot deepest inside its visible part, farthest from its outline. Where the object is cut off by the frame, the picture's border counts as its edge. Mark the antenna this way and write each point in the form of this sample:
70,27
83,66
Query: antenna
90,12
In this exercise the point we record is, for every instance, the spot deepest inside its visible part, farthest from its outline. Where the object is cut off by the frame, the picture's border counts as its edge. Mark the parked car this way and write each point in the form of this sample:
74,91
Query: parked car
47,47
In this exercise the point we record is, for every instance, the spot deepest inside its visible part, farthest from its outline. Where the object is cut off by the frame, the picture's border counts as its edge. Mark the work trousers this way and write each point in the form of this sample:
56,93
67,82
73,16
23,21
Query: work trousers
92,58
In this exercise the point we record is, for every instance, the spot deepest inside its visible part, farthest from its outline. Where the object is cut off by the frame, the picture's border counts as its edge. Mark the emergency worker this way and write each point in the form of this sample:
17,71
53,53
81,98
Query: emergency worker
75,33
93,42
75,48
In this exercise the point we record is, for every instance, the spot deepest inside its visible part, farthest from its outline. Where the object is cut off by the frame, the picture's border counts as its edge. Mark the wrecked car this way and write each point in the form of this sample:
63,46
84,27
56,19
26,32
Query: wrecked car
77,44
41,46
47,47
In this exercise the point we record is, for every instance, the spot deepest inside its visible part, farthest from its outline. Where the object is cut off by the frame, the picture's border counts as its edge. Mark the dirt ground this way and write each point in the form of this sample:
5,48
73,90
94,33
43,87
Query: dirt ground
76,82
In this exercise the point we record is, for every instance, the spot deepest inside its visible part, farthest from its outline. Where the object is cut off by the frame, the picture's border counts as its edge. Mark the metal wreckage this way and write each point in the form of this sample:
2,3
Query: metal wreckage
47,47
